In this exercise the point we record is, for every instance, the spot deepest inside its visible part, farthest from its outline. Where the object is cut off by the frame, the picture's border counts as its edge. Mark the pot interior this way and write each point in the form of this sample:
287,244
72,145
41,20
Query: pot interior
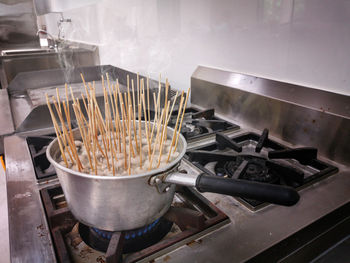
54,156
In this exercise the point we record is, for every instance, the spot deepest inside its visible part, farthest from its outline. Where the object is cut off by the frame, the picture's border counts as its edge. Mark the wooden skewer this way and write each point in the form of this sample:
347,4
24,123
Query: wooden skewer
124,141
65,133
157,107
130,142
82,133
58,100
98,121
94,133
114,131
64,137
67,102
126,119
172,107
164,135
166,92
140,133
126,110
146,128
68,122
159,92
85,125
106,140
84,121
127,102
85,86
109,126
114,127
182,118
148,107
98,126
155,115
98,112
119,129
176,125
85,106
111,130
138,88
94,127
166,116
133,116
53,118
156,140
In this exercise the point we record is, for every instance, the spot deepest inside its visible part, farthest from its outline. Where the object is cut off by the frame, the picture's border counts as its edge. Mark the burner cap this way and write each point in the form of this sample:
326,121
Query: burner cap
254,169
135,240
190,130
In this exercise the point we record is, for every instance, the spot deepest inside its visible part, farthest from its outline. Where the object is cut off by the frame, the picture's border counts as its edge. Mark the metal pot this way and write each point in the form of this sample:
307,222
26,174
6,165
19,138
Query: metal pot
117,203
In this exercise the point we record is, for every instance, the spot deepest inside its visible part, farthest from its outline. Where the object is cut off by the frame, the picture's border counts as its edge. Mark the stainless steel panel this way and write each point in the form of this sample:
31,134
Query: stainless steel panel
29,109
43,7
18,24
6,122
29,235
321,100
296,114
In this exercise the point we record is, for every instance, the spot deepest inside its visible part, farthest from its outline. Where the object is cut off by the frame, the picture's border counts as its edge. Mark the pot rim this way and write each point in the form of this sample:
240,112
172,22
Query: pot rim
166,168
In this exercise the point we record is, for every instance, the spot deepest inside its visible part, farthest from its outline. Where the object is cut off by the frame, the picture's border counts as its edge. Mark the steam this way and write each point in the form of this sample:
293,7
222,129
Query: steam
65,59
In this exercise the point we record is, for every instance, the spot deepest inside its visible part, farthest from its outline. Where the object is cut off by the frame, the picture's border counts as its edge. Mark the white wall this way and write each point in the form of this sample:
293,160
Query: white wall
299,41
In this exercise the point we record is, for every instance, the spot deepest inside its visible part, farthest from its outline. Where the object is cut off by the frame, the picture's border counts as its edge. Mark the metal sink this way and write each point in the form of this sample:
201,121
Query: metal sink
13,61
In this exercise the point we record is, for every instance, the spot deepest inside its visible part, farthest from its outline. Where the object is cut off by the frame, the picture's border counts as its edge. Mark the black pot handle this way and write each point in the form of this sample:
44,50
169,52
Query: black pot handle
275,194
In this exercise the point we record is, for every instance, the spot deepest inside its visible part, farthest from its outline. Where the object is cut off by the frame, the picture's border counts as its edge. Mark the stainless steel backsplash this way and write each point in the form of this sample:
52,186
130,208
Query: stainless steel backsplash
297,114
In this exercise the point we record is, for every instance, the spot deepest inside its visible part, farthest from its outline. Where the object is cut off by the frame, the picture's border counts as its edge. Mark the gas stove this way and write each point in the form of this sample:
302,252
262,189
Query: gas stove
252,135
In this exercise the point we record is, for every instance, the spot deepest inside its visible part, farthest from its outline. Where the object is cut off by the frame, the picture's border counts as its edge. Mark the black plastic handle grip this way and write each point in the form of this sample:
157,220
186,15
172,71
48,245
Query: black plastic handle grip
275,194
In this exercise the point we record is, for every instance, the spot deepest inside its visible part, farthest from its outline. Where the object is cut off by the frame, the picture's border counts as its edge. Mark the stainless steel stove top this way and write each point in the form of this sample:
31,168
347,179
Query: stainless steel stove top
271,233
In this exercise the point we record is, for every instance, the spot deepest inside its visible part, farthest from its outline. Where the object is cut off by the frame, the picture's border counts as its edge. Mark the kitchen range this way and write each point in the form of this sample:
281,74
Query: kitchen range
239,128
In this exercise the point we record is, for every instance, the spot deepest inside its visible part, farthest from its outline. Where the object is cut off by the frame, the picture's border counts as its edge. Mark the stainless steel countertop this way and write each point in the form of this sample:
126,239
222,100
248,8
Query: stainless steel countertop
4,229
29,235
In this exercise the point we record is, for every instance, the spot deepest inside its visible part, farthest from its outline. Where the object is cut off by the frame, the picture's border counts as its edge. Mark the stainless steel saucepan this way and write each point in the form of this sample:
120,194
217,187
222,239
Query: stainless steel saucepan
117,203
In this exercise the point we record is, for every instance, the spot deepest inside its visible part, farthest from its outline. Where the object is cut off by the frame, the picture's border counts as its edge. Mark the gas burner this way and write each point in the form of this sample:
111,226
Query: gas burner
248,167
197,124
259,159
135,240
189,214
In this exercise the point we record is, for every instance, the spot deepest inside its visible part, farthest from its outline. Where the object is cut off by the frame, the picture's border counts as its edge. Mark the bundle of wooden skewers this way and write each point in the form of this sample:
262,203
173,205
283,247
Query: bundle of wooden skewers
125,140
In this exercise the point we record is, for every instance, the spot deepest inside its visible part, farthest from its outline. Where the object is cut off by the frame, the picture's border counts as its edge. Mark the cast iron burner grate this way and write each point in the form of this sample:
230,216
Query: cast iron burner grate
189,215
37,147
197,123
257,158
135,240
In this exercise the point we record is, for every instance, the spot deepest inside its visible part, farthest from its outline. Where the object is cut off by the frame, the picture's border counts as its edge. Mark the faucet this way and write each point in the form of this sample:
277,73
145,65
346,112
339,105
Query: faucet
60,23
55,46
